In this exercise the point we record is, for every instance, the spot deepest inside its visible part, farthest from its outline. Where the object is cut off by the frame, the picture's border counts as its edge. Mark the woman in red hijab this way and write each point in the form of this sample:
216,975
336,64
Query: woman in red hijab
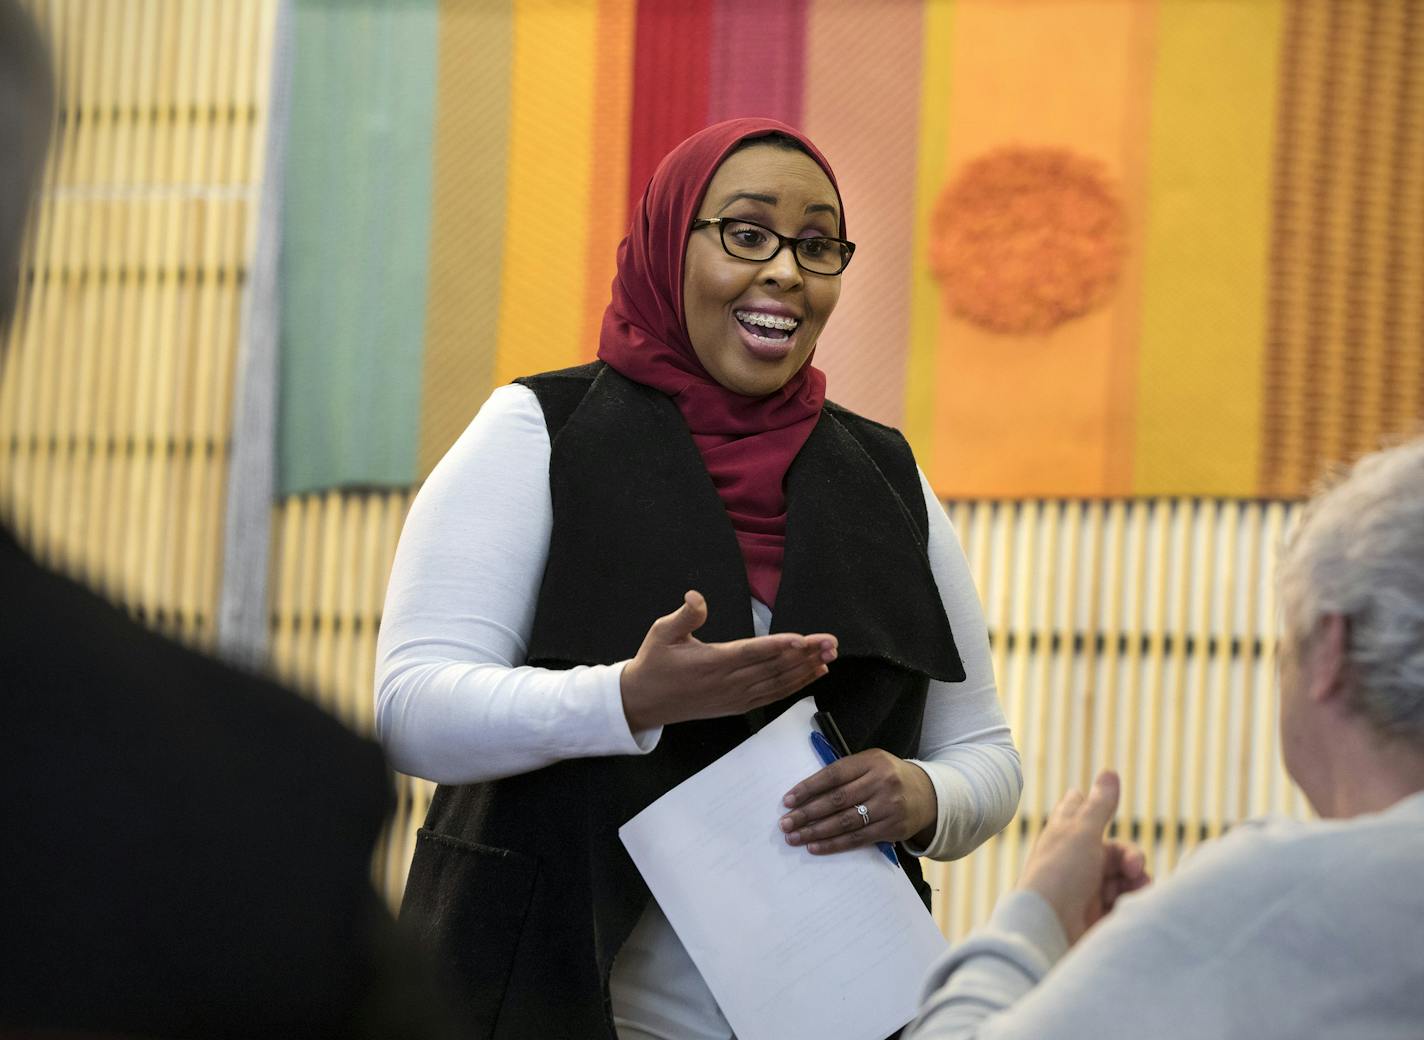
527,659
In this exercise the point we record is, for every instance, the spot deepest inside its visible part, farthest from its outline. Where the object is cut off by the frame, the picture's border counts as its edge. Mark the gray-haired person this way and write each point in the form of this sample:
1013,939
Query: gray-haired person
1283,928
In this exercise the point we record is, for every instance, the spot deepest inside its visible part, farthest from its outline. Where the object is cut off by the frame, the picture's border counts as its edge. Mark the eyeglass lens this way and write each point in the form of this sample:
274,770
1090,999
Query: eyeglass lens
753,242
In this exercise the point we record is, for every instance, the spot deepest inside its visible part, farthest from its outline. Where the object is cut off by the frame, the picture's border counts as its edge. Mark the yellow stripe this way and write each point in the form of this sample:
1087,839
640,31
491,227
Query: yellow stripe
1204,302
550,164
924,292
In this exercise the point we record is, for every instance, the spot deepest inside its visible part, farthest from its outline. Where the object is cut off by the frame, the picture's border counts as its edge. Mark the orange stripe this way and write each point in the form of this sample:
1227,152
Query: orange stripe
608,185
467,220
1039,414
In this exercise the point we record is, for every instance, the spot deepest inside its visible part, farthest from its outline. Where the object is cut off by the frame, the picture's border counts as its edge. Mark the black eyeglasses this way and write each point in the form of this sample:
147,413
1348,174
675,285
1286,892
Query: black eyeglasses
744,240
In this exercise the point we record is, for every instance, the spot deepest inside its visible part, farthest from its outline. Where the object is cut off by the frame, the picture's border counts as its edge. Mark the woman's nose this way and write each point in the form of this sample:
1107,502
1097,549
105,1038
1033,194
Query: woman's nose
782,267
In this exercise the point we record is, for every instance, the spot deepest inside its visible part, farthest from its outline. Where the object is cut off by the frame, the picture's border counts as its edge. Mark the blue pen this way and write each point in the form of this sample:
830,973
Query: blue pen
827,755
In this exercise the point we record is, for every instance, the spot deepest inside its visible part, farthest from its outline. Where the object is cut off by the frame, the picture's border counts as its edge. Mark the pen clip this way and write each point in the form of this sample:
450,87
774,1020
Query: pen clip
832,732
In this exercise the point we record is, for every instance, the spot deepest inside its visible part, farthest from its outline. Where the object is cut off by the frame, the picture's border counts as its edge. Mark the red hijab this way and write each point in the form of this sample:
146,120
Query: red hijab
747,443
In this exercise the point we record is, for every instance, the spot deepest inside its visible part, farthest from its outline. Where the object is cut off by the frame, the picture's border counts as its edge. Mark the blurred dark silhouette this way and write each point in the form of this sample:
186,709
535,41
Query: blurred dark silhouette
26,106
184,848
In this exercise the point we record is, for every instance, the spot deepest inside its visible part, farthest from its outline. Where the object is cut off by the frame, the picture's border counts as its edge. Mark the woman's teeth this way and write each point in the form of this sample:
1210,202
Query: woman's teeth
774,328
768,321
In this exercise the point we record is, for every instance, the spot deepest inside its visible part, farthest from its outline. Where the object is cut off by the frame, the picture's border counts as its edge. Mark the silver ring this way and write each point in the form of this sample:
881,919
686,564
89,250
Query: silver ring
864,815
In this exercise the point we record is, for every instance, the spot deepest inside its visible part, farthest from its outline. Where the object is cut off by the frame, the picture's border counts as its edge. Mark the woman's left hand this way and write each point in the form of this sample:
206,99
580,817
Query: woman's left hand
898,794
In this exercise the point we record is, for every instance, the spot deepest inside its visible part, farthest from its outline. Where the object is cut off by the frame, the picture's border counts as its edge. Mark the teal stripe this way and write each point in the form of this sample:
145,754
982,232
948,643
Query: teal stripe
355,242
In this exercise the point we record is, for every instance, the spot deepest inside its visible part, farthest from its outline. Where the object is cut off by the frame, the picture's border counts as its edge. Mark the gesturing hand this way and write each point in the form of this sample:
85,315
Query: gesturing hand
897,795
675,677
1074,868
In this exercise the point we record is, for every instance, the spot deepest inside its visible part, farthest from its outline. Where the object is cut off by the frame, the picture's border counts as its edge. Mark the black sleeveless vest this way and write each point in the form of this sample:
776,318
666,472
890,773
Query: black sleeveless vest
520,886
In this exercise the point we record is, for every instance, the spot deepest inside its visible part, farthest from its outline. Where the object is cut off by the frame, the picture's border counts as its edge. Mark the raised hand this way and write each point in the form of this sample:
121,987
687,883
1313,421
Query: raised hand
676,677
898,797
1074,868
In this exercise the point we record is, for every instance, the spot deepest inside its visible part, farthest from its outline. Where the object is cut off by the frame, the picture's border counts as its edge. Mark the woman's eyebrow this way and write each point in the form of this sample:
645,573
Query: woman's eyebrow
772,200
754,196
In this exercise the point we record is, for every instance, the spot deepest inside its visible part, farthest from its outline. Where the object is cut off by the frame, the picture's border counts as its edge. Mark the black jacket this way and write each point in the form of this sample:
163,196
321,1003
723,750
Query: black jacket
521,886
185,849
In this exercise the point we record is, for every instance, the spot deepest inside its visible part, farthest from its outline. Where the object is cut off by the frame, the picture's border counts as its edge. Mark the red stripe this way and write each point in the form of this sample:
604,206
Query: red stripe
673,44
758,60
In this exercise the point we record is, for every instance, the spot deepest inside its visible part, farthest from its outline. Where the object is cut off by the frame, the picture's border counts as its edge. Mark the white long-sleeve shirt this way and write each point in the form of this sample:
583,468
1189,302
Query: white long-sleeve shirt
1282,929
455,702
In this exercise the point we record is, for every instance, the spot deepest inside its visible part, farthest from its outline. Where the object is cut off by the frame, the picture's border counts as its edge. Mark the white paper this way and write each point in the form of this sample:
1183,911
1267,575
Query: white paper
831,947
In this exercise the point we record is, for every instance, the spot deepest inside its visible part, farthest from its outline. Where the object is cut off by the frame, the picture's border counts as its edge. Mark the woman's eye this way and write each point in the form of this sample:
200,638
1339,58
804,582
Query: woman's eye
811,248
744,235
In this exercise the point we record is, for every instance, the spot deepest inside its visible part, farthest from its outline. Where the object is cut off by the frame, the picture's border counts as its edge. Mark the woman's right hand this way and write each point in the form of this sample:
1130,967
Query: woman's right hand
675,677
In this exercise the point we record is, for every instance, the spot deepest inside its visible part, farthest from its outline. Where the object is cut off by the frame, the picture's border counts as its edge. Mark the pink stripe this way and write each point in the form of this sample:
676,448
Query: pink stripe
758,60
862,110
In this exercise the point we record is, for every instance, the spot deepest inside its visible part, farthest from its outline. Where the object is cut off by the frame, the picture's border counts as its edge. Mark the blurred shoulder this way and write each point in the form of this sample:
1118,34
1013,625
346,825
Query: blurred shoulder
182,821
85,684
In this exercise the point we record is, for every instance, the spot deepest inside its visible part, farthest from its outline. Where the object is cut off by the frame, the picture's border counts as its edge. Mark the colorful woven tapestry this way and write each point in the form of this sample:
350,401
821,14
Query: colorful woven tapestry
1104,248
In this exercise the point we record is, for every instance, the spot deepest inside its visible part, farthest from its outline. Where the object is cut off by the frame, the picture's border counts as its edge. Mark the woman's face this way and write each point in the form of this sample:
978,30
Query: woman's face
786,191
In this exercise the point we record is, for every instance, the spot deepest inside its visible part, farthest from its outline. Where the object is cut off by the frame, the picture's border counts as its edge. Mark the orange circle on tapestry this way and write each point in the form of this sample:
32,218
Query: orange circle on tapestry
1026,238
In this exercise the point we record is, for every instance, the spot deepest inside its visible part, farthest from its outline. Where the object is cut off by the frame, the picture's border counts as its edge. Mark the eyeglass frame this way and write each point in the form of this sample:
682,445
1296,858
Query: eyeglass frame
782,241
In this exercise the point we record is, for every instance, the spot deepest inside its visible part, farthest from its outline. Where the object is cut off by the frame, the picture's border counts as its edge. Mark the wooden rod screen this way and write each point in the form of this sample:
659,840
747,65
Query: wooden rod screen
1134,634
1139,634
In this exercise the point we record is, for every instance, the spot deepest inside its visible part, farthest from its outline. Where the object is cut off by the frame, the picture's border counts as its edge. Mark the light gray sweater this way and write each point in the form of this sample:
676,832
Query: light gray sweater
1283,929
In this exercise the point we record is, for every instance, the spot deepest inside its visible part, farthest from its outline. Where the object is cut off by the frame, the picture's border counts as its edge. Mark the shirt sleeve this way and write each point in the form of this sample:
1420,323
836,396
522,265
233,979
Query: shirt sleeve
1201,954
966,747
455,702
990,970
